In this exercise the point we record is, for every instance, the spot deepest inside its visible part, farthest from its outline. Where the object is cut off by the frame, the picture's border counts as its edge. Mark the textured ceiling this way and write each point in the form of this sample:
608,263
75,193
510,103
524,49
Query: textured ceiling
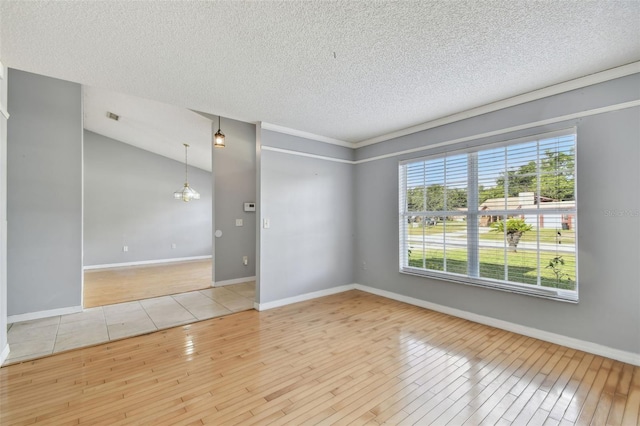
150,125
340,69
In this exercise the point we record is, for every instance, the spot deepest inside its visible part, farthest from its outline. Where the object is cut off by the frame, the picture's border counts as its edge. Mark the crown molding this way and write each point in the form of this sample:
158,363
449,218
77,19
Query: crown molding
306,154
554,120
556,89
306,135
525,126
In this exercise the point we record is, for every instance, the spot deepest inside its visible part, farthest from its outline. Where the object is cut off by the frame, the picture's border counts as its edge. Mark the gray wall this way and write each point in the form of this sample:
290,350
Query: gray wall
45,197
608,152
234,175
128,200
309,203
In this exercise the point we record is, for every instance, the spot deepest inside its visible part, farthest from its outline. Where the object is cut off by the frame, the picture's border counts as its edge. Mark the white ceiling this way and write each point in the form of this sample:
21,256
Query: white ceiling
349,70
150,125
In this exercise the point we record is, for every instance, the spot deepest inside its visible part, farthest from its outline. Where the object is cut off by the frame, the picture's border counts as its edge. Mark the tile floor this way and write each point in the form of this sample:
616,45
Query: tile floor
36,338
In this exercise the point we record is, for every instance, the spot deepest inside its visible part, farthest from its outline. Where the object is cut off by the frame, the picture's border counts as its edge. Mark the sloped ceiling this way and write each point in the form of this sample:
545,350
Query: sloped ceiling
150,125
345,70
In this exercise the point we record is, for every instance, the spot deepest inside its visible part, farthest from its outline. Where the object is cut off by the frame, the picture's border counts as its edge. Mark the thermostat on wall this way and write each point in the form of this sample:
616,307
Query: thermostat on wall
249,207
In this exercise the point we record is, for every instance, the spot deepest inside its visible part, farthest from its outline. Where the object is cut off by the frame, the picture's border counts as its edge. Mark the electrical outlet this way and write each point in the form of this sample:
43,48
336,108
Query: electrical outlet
238,222
174,245
125,248
245,260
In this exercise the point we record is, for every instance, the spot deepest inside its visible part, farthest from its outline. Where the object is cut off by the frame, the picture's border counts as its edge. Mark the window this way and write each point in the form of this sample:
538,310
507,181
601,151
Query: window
501,216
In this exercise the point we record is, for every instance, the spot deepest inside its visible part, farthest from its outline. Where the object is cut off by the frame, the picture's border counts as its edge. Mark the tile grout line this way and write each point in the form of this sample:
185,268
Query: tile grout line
205,295
219,302
185,308
249,299
209,298
134,322
147,314
235,293
104,318
55,339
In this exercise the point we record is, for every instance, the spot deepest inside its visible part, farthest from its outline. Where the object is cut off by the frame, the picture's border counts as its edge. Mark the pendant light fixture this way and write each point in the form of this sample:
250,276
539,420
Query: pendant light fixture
218,138
187,193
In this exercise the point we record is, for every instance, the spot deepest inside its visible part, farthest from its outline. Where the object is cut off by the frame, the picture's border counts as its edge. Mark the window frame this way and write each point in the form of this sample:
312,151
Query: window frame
473,213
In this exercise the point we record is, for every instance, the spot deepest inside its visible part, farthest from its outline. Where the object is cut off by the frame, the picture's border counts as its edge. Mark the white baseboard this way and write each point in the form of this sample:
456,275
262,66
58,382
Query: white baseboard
43,314
145,262
4,354
302,297
233,281
582,345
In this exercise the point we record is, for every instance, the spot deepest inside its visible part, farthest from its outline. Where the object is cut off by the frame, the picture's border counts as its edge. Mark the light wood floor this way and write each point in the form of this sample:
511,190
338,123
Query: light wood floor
350,358
116,285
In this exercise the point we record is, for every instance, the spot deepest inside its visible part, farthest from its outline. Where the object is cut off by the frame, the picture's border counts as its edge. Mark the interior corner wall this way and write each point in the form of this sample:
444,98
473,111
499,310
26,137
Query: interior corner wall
3,214
309,244
128,201
608,154
258,225
44,203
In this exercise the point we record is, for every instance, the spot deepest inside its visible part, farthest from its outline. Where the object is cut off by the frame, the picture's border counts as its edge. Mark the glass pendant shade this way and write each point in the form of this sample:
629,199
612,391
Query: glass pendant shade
186,193
218,138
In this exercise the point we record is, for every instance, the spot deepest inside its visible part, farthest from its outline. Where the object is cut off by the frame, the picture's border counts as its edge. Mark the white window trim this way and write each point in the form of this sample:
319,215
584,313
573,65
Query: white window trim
570,296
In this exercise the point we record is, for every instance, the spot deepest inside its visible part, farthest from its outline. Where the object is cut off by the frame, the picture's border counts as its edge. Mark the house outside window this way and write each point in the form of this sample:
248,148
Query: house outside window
502,216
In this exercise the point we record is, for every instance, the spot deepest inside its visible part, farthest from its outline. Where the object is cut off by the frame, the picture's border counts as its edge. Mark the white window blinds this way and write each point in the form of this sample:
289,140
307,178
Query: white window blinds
501,216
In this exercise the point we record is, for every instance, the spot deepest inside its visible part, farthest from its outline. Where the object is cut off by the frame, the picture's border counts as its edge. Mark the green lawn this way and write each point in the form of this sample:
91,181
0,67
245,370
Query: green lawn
547,235
522,266
437,229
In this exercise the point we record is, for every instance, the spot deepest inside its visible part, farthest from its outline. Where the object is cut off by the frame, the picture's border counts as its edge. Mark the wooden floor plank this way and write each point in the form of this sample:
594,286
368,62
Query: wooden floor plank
557,410
592,382
350,358
632,406
617,410
501,400
124,284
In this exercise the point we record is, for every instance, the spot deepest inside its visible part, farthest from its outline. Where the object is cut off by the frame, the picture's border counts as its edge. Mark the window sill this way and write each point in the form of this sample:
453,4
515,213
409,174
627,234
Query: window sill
560,295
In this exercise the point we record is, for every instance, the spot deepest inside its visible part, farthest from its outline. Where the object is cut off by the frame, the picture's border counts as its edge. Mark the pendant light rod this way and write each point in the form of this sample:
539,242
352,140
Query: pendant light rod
186,167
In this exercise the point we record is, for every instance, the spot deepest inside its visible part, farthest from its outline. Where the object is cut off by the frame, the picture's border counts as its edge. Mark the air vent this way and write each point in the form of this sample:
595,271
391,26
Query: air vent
113,116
